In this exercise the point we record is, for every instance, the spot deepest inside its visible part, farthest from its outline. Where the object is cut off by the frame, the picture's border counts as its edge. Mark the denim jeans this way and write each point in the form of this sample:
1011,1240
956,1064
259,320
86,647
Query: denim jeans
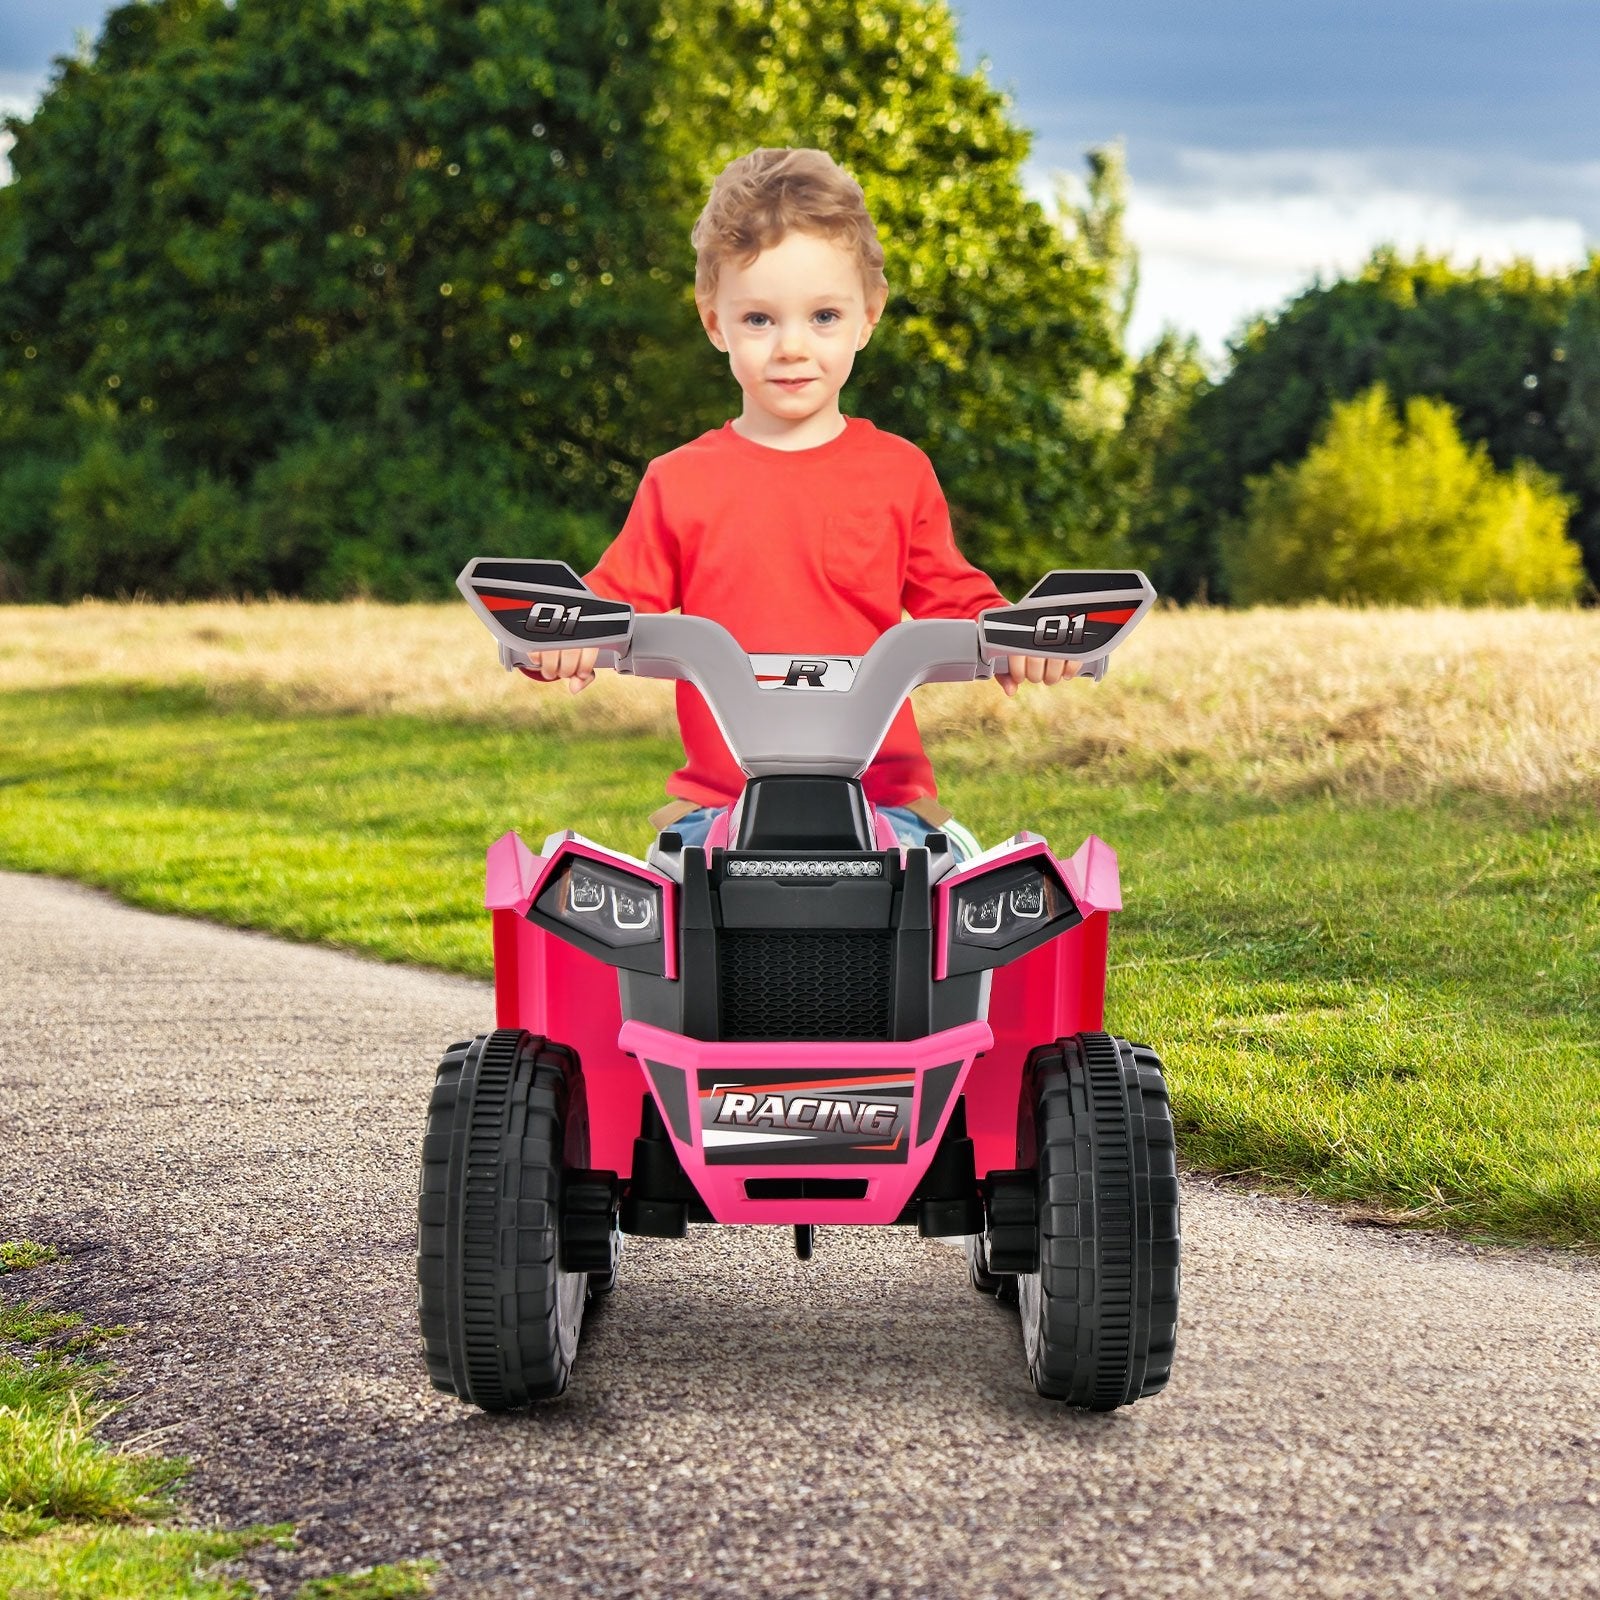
908,827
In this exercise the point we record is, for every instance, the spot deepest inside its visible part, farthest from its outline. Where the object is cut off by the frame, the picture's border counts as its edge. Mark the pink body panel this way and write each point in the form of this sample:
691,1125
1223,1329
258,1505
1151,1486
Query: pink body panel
1058,989
884,835
545,985
889,1187
717,836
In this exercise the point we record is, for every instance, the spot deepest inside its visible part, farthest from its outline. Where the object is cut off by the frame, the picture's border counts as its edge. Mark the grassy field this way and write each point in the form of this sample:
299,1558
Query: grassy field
1361,851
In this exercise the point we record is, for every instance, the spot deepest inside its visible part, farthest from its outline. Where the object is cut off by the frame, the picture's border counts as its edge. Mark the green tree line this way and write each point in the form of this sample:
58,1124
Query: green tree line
326,299
323,300
1514,354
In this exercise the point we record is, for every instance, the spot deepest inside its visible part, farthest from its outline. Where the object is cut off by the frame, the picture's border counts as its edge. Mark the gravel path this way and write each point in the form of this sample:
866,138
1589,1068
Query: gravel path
222,1130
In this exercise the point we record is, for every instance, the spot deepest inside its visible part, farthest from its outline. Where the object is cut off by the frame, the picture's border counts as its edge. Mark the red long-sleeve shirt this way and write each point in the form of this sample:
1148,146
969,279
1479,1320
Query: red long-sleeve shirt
793,551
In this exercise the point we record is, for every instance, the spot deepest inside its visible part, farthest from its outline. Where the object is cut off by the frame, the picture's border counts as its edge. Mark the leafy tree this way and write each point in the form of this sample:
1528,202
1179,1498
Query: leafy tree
363,281
1485,343
1578,350
423,229
1163,385
1405,510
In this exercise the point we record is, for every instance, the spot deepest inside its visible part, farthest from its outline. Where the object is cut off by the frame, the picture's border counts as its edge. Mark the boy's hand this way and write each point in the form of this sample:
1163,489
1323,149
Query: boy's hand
576,666
1034,669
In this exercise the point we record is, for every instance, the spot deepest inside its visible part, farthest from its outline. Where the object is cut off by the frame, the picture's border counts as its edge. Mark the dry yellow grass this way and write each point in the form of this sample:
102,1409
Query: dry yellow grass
1397,704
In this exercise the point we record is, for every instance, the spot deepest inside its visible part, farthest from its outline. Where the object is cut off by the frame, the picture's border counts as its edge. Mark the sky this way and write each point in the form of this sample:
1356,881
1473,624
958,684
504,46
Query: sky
1267,141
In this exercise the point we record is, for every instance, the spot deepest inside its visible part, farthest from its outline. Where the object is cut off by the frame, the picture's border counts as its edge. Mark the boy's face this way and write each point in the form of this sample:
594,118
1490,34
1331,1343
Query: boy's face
791,322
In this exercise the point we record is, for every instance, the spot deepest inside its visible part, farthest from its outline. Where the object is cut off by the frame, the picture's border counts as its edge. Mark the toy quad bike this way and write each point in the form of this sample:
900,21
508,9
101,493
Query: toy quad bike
800,1022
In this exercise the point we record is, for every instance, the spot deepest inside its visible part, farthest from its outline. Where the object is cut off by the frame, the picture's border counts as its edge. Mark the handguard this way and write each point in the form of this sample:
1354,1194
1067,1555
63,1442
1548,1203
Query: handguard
1076,616
531,606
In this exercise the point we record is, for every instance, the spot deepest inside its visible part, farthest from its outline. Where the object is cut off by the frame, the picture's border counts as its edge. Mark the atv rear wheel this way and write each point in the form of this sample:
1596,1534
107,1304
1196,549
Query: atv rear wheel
1099,1317
499,1317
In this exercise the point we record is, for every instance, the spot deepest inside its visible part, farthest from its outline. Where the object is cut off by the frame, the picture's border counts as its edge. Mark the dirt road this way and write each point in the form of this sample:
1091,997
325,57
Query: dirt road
222,1130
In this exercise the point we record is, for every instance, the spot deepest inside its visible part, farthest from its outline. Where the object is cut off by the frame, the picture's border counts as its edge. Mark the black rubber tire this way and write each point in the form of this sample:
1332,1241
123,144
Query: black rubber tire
1100,1316
499,1317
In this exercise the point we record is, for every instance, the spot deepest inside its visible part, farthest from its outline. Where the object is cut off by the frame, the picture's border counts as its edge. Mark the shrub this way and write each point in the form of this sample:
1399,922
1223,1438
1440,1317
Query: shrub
341,515
1385,508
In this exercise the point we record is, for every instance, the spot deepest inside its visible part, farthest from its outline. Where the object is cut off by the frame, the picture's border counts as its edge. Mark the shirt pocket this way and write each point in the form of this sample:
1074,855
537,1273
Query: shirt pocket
861,553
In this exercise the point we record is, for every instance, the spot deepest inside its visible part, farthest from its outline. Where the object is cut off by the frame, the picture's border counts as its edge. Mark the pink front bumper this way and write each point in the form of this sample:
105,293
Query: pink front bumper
752,1113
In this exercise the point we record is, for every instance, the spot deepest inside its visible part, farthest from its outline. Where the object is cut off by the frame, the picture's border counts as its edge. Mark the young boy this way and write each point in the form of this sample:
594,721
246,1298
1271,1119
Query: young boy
795,527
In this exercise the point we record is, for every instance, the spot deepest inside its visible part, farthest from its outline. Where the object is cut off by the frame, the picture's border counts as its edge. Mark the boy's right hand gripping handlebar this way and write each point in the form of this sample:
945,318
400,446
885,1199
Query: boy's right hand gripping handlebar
535,606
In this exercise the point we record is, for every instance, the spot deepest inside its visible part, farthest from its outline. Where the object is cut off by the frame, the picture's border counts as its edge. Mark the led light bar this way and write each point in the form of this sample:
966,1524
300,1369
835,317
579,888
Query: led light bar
802,868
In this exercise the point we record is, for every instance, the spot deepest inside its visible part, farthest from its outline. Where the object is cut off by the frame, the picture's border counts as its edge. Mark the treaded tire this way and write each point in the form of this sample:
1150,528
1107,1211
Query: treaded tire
1100,1316
499,1317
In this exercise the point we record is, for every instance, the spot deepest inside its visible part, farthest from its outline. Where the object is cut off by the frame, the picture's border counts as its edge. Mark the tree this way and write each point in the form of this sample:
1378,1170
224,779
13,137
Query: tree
1484,343
373,278
402,229
1390,509
1578,351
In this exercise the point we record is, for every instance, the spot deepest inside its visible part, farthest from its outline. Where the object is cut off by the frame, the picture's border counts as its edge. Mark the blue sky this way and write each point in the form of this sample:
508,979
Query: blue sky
1267,140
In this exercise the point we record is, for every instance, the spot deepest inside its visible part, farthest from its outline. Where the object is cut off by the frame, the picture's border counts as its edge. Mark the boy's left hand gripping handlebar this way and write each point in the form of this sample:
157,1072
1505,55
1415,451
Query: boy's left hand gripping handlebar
532,606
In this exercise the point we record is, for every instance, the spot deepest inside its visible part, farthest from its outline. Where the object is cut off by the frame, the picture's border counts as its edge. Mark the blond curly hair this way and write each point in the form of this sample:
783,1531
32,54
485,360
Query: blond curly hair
760,197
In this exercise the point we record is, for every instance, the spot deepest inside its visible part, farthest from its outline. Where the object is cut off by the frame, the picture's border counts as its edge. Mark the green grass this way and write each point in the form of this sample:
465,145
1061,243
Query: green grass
1393,1005
17,1255
402,1581
53,1470
78,1516
112,1563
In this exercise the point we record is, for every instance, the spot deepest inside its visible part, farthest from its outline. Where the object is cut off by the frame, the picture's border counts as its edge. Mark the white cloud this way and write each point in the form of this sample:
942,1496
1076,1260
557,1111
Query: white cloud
12,104
1227,236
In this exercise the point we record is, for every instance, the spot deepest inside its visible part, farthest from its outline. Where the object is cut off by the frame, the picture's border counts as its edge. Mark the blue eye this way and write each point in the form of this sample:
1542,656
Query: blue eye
832,316
755,318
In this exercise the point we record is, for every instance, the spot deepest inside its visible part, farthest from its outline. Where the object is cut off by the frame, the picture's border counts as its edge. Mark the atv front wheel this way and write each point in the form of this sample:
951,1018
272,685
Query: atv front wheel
499,1316
1099,1317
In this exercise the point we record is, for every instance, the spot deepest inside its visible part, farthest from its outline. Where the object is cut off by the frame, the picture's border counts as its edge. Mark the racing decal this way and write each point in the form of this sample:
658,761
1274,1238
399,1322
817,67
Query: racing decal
836,673
546,574
1068,584
766,1118
1074,614
542,605
549,622
1069,630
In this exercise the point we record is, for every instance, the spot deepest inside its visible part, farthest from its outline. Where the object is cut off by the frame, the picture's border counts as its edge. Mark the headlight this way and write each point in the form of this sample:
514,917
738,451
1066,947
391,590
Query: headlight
604,903
1002,906
1005,913
607,904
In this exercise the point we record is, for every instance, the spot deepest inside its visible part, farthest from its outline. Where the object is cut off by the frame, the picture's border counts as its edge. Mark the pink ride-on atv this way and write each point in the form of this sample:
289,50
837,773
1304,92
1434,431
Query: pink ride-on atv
800,1022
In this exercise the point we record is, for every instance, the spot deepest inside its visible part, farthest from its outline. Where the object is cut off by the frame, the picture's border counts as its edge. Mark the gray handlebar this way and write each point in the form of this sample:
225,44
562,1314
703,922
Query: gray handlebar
821,728
835,711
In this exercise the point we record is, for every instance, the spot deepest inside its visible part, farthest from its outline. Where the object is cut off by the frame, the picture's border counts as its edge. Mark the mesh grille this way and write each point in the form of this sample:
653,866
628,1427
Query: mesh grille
805,985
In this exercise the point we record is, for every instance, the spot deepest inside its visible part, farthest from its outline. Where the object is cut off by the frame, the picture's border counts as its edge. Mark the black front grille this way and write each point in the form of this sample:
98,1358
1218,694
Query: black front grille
805,985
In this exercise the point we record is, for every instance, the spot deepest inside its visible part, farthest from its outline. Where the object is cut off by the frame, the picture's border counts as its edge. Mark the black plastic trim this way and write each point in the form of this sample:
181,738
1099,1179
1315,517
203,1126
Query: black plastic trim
673,1093
937,1082
794,812
1080,583
550,574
